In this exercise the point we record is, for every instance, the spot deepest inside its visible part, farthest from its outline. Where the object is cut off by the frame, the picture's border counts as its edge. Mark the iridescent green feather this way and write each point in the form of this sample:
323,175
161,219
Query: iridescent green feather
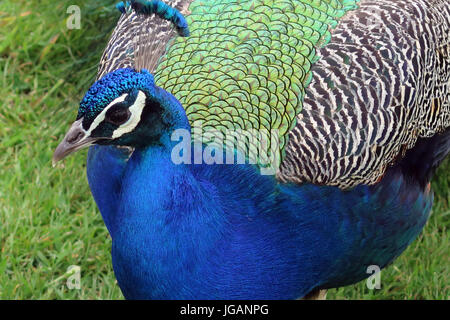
247,63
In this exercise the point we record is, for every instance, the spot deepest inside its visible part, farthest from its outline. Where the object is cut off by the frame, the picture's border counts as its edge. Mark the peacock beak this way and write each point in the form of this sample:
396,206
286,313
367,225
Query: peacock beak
75,139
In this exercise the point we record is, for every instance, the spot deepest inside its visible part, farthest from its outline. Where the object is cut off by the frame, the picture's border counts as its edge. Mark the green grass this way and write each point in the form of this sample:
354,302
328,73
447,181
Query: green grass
48,219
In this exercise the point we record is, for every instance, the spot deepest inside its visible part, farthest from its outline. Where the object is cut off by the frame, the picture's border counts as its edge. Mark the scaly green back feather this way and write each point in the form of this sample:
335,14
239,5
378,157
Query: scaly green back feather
247,63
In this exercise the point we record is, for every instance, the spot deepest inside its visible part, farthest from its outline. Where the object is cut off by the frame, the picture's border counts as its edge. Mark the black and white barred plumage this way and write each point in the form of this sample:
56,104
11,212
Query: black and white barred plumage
134,35
381,83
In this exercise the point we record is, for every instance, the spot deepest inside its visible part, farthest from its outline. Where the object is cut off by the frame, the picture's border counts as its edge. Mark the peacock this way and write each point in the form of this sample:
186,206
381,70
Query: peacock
261,149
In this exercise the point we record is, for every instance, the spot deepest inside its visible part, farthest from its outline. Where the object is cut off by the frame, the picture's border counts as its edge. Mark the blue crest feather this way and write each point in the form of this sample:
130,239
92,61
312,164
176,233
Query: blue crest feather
121,7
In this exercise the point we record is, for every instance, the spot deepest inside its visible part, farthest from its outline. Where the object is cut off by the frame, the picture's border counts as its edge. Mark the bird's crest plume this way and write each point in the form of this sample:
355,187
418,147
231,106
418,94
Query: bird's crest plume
148,47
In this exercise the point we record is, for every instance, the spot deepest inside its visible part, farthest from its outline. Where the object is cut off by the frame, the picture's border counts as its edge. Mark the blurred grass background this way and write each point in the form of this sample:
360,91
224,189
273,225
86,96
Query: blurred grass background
48,219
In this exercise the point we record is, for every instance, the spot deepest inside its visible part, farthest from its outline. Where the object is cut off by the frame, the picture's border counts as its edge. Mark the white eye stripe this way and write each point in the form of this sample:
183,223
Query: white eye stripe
135,117
99,119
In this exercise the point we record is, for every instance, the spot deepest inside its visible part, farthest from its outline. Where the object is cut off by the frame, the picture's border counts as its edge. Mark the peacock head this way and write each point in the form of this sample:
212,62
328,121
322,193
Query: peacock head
123,108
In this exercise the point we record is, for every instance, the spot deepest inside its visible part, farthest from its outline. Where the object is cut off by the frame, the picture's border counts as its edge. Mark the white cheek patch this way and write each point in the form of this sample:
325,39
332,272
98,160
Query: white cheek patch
102,114
135,117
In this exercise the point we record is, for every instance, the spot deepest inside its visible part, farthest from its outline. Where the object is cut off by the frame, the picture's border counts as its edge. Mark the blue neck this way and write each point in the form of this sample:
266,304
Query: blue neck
171,192
176,219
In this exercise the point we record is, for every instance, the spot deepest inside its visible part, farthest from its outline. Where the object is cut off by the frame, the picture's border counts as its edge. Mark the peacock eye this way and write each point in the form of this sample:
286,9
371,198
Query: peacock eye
117,115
